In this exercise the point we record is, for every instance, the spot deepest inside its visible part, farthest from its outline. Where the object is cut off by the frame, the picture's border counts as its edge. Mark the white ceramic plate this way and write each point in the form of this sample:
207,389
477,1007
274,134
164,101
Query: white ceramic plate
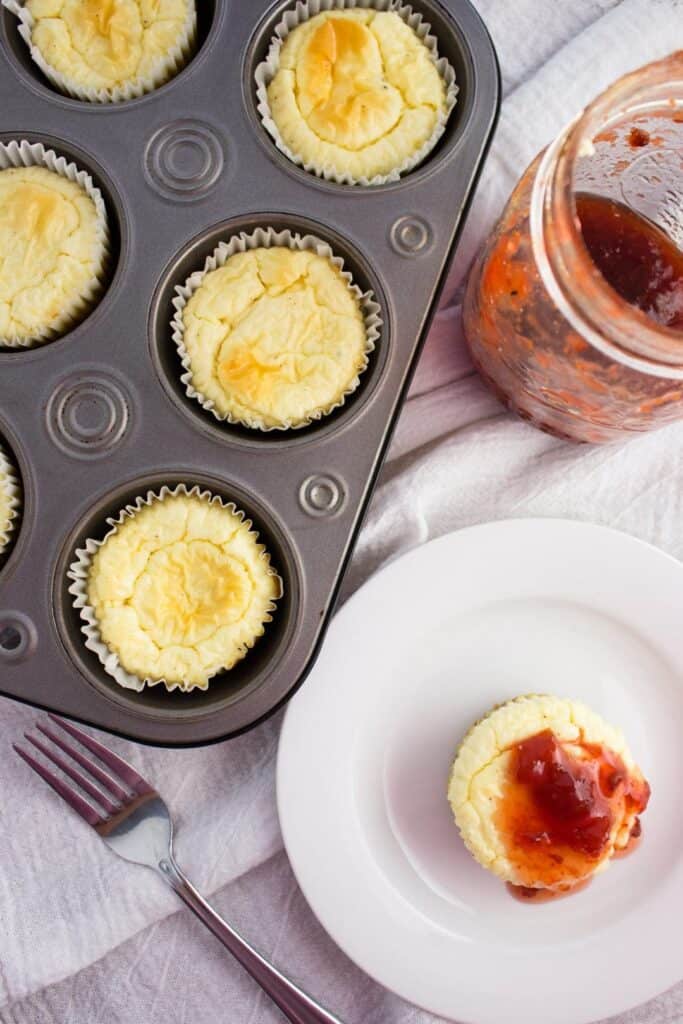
413,659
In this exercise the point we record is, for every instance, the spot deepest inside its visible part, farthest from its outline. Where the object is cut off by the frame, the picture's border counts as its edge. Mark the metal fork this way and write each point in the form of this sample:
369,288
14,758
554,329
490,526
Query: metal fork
135,823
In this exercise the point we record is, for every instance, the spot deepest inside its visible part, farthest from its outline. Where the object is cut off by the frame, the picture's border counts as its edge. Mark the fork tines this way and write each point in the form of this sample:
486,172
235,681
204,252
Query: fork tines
123,784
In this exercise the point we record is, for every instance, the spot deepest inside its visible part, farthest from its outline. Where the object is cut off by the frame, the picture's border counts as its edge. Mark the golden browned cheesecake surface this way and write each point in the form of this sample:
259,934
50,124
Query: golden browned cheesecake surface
49,250
356,91
181,590
275,337
101,44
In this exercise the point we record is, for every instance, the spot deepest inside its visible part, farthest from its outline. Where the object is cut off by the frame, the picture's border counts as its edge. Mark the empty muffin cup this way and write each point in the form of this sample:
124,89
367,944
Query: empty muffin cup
55,242
178,590
10,502
403,92
107,53
272,333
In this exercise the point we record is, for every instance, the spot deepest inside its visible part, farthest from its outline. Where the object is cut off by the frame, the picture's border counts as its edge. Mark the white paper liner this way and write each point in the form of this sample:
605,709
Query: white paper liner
79,572
304,11
11,490
268,237
26,154
165,67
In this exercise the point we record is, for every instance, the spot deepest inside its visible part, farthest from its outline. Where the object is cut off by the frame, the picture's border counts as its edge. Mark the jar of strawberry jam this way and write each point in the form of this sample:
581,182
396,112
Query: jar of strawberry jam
574,309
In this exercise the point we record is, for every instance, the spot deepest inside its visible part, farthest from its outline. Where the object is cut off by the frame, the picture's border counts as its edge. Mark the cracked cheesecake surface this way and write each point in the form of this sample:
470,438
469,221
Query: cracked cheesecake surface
182,590
49,250
356,91
275,337
101,44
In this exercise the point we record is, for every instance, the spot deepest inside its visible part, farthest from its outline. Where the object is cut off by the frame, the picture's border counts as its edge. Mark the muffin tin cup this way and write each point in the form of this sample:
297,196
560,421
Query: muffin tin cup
243,242
79,572
11,491
26,154
166,67
267,69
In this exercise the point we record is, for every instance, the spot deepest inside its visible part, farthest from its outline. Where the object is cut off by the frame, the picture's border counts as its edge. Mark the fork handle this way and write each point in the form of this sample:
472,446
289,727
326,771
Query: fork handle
296,1005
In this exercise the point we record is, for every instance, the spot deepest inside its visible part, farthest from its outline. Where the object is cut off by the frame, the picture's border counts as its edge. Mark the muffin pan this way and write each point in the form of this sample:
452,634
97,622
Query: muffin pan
100,416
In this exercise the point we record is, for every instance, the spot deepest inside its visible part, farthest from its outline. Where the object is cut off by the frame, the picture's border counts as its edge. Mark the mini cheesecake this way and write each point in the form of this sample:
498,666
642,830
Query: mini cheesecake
181,589
275,338
545,793
95,45
356,92
51,252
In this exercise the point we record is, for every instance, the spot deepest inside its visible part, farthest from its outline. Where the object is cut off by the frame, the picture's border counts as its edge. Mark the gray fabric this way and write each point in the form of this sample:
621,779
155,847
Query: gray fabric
88,939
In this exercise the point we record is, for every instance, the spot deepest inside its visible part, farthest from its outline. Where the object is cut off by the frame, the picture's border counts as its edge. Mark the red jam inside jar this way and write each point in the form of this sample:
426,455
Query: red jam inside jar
635,257
559,809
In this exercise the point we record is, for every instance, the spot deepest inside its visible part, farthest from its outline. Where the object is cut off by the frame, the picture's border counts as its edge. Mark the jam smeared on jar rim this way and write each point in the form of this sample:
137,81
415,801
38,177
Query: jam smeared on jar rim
559,809
636,258
638,137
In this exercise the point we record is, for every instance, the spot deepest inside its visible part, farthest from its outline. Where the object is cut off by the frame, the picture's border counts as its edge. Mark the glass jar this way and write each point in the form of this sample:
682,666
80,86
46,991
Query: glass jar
555,341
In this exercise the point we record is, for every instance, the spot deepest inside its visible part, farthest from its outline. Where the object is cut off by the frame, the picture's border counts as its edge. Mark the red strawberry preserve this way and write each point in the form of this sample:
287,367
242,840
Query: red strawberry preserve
635,257
560,807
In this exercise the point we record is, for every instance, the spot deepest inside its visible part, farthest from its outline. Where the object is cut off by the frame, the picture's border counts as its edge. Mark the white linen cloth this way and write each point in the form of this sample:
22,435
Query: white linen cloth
88,939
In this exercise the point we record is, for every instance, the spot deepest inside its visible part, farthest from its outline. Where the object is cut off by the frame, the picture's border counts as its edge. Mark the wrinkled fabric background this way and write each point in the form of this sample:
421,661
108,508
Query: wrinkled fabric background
88,939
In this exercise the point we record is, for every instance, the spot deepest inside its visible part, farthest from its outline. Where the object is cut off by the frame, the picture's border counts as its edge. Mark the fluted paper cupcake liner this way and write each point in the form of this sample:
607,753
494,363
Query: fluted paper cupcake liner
9,486
304,11
165,67
79,573
268,237
22,153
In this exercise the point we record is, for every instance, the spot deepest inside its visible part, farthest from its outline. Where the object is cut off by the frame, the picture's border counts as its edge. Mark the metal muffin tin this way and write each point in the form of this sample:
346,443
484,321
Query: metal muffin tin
100,416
